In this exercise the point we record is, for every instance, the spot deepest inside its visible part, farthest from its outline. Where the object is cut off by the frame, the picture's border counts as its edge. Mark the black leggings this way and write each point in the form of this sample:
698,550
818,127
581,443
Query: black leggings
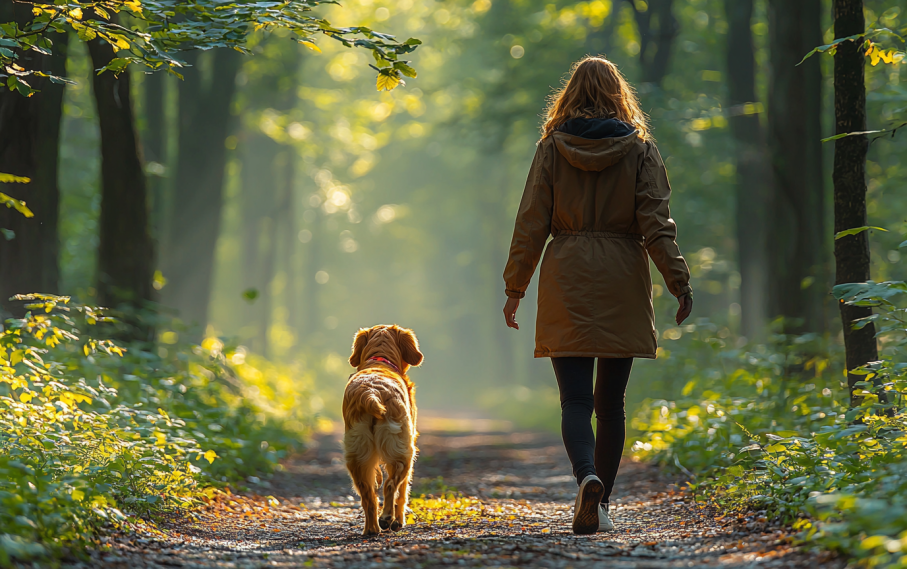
590,454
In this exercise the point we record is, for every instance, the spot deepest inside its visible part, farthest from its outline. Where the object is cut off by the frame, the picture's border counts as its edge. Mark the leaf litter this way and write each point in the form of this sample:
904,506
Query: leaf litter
489,499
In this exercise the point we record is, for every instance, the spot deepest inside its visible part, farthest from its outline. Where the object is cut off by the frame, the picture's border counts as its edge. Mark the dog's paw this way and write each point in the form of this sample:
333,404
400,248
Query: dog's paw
397,525
386,523
371,532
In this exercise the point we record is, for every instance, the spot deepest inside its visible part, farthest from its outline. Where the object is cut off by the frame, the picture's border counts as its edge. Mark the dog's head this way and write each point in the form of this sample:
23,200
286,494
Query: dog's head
397,344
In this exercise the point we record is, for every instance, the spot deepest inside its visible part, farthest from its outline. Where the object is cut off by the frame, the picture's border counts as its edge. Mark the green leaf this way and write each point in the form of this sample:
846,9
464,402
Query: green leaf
405,69
87,34
846,134
9,234
117,65
250,294
856,230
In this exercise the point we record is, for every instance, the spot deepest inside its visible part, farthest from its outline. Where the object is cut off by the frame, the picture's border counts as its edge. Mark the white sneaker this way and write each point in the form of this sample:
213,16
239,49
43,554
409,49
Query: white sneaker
586,510
604,518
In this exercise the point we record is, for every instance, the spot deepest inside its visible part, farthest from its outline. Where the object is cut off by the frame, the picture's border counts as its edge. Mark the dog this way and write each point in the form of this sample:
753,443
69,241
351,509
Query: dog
379,417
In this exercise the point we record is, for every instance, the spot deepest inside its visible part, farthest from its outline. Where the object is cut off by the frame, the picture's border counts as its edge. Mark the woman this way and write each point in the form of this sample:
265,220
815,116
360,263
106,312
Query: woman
598,186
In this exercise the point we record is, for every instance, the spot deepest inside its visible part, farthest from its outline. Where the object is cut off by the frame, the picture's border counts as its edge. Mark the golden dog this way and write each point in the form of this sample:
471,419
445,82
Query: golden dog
379,415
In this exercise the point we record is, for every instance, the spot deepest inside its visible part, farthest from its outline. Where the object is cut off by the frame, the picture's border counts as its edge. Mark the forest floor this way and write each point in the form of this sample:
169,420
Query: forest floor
517,513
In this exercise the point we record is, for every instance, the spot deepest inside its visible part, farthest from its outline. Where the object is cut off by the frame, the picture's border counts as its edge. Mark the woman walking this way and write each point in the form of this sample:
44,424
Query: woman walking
599,187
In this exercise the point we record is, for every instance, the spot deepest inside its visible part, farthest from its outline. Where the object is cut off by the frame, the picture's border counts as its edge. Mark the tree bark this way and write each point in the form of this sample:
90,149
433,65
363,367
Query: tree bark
154,146
197,204
753,173
259,181
658,28
125,251
851,252
798,271
29,146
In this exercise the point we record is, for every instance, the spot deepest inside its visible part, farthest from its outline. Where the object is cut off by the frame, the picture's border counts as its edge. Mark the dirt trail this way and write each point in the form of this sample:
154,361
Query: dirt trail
519,515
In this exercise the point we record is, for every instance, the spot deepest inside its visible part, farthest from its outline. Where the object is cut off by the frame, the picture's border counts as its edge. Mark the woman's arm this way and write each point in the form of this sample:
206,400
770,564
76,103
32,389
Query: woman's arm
531,230
653,193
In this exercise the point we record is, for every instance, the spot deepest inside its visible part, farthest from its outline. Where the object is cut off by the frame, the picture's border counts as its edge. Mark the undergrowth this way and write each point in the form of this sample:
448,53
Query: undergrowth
93,432
772,428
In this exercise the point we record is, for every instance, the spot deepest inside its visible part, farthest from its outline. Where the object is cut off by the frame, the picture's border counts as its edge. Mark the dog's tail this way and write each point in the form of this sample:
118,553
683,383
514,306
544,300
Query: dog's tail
371,404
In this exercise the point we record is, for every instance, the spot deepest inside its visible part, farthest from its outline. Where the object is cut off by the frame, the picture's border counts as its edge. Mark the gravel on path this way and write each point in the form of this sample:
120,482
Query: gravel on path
509,500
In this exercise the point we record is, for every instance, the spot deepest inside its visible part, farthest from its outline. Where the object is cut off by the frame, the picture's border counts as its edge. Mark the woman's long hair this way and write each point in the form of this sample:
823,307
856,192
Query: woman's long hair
595,89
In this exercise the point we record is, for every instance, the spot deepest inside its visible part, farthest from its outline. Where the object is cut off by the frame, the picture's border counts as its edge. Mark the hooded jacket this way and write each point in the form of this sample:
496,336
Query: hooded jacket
602,194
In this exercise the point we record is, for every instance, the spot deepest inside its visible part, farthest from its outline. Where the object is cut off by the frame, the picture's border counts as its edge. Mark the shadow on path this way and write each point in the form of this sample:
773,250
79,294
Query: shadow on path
519,515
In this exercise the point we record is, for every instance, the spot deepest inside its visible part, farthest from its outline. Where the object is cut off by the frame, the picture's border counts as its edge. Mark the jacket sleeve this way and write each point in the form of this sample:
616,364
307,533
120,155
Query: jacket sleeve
653,191
533,224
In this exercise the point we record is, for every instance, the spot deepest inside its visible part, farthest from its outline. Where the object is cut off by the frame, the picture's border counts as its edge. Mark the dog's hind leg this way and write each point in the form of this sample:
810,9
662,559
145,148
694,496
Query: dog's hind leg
396,493
364,480
403,488
390,486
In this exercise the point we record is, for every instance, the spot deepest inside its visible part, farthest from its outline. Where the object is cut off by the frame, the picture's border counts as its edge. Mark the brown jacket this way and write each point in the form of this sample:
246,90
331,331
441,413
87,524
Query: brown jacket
604,198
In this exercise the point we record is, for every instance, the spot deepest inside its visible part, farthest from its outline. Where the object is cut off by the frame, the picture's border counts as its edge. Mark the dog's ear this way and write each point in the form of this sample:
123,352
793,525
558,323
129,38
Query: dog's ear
409,346
359,343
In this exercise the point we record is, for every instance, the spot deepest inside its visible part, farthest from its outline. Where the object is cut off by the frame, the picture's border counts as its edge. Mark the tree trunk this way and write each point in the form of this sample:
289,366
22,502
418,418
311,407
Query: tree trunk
259,208
851,252
195,210
155,147
753,174
658,28
798,272
29,146
290,239
125,251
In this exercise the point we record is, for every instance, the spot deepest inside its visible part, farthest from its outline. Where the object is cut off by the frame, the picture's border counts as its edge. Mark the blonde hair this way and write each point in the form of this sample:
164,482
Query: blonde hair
595,89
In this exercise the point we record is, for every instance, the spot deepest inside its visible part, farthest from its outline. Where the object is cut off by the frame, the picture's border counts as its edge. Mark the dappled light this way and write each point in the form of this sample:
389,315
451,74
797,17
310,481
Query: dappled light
201,203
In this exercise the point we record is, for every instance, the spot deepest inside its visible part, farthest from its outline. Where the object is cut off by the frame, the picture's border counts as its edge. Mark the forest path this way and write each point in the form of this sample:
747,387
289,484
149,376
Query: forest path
522,479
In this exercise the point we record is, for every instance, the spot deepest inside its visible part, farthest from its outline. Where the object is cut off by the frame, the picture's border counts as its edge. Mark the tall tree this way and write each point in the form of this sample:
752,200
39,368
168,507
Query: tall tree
798,272
29,146
125,250
658,28
195,210
753,173
154,147
851,251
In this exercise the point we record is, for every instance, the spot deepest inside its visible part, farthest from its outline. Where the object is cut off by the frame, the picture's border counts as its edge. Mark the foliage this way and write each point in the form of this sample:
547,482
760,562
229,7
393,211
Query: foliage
771,431
91,432
12,202
166,27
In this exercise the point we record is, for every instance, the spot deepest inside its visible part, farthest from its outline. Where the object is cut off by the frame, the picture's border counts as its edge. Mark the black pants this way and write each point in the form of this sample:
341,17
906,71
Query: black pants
590,454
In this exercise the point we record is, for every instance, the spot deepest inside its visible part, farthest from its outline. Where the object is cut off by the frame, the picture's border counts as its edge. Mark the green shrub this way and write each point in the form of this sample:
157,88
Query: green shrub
92,432
772,430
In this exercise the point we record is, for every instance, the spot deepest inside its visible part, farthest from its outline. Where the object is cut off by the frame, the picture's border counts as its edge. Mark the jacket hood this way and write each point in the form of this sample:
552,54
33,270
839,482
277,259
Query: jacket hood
594,144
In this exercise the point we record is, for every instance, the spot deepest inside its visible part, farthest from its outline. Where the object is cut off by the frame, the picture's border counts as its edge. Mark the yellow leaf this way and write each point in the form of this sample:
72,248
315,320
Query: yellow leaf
77,13
210,456
387,82
85,349
101,12
311,46
78,495
25,397
16,357
875,56
36,11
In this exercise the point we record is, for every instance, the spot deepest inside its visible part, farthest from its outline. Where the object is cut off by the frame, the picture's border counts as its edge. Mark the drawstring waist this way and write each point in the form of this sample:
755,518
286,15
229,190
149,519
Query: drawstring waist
598,235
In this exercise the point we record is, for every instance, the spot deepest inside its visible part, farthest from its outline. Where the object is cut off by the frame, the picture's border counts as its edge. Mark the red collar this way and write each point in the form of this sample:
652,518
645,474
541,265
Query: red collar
386,361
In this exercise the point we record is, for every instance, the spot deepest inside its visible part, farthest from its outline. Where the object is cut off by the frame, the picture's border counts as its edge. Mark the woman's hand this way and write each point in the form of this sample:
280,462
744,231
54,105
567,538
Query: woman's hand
686,307
510,312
